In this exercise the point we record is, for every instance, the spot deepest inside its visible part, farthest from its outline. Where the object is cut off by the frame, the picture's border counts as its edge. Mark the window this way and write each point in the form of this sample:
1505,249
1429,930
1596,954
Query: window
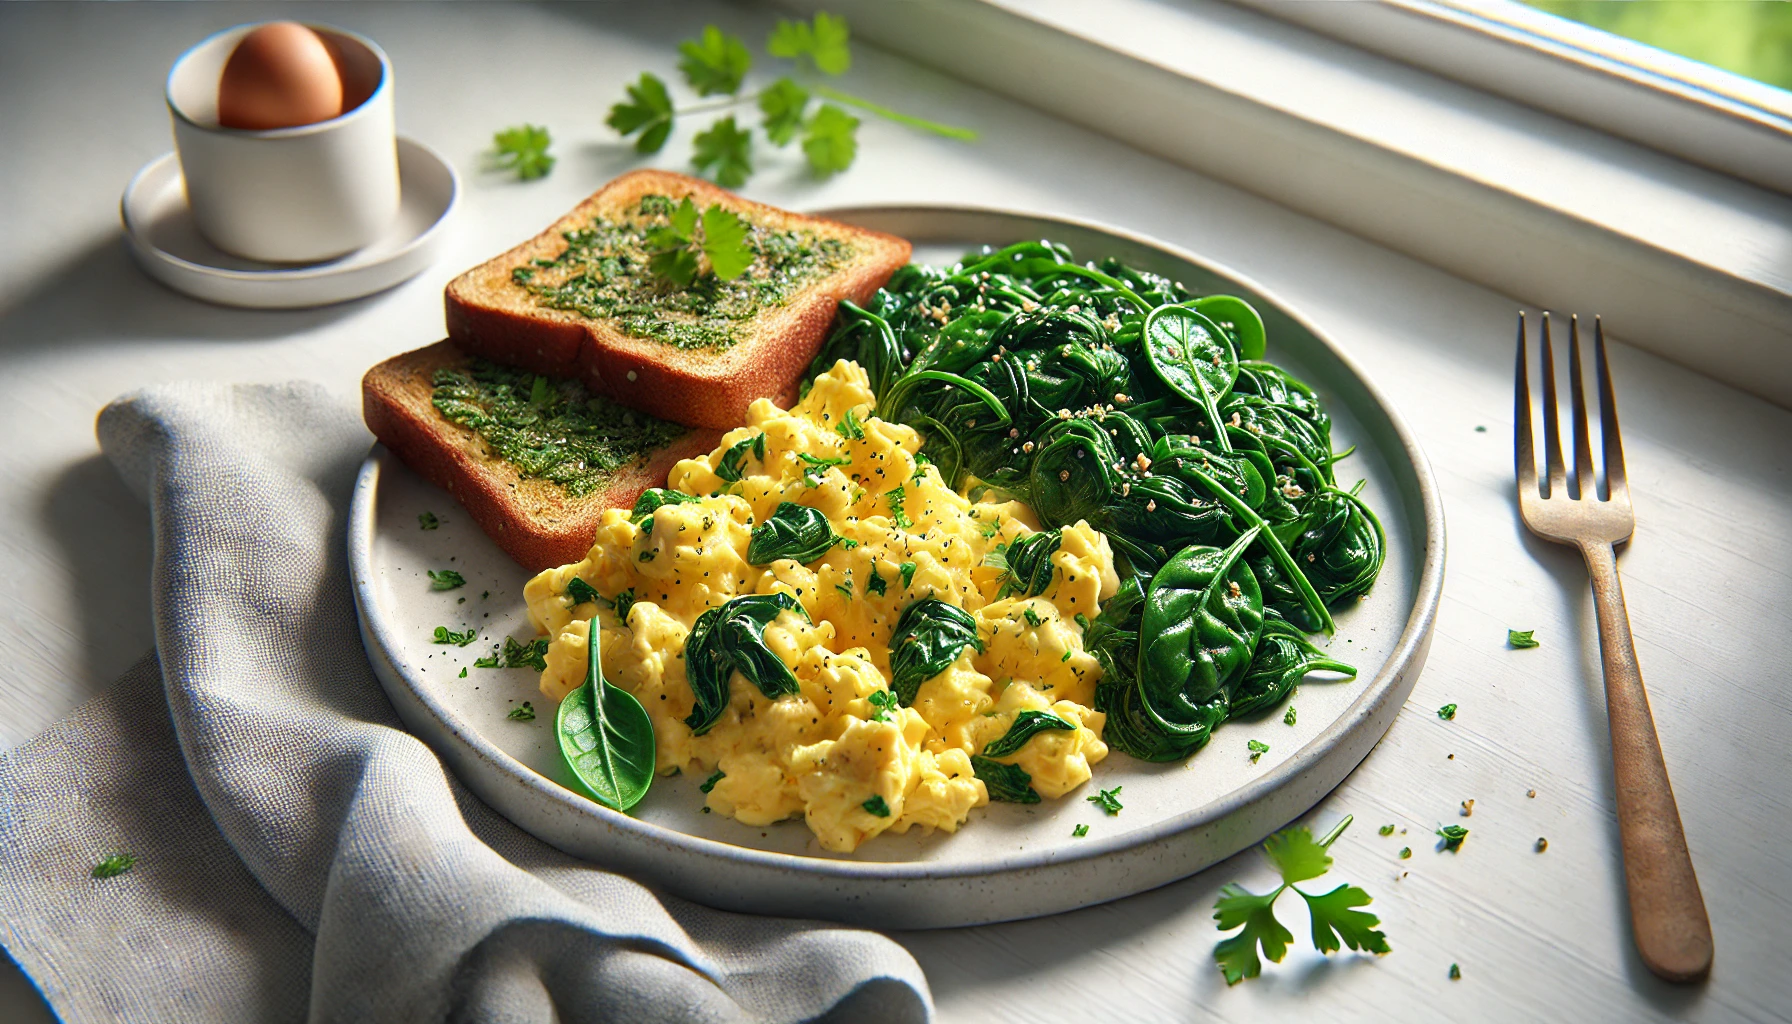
1695,110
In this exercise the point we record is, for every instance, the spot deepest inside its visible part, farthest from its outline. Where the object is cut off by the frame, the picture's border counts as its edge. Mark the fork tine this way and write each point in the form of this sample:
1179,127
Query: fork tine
1583,446
1552,428
1616,485
1521,418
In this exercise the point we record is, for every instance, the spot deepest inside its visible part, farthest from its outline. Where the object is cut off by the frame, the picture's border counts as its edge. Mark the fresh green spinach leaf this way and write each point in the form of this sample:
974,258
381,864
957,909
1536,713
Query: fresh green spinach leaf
605,736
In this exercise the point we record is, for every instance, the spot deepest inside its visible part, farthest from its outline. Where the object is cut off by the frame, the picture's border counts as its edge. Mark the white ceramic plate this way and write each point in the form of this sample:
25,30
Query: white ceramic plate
1008,861
159,228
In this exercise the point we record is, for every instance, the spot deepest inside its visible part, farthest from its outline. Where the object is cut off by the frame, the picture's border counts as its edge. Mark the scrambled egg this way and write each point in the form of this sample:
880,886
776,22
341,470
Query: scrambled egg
851,766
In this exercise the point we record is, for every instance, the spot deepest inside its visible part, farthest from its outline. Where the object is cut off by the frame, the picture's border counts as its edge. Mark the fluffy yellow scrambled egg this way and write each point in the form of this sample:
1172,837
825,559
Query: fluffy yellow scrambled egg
852,766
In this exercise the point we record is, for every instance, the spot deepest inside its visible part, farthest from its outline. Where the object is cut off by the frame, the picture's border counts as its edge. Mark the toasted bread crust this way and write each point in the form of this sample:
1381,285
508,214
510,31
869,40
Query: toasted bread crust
490,315
534,521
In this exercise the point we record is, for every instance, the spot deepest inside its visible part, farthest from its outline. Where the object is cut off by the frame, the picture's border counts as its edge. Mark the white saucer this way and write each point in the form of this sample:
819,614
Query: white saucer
159,227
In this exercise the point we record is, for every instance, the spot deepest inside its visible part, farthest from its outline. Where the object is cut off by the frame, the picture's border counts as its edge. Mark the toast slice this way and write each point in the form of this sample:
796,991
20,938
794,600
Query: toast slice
492,314
536,521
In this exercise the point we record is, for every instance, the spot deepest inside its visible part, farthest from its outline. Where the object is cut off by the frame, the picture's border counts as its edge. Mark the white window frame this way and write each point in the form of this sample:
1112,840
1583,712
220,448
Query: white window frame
1700,113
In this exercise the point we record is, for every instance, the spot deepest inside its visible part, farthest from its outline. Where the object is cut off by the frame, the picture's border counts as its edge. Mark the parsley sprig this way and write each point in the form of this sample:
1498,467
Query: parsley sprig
801,104
690,243
1298,857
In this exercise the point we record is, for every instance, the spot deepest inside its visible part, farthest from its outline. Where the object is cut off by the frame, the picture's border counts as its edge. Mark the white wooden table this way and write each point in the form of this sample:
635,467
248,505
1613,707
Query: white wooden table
1537,935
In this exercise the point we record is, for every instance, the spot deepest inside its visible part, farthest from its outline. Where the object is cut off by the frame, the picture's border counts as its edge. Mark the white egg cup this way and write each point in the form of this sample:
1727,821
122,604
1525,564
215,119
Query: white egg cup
288,195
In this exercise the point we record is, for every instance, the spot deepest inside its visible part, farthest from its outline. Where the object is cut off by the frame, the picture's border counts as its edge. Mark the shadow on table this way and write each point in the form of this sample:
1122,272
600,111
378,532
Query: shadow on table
101,295
104,533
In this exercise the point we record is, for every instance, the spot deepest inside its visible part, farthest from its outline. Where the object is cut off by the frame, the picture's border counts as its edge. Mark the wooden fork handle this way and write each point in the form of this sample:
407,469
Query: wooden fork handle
1667,912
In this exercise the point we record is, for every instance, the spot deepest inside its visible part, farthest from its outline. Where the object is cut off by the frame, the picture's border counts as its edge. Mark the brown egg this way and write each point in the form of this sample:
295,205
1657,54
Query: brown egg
280,75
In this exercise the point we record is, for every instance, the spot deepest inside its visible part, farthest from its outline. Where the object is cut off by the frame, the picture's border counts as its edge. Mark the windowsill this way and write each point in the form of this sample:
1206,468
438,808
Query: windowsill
1686,262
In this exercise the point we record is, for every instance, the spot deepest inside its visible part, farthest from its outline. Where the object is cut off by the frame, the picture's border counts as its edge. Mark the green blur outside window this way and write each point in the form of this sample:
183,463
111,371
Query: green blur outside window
1752,38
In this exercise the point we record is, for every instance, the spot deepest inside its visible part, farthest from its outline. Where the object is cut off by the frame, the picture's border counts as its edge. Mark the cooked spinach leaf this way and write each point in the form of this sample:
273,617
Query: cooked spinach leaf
1007,783
1026,725
928,638
582,592
1029,563
794,531
1283,658
732,638
735,457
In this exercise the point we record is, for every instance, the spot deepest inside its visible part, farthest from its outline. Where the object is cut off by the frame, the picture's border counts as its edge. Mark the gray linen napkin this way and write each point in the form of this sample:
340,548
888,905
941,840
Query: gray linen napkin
300,855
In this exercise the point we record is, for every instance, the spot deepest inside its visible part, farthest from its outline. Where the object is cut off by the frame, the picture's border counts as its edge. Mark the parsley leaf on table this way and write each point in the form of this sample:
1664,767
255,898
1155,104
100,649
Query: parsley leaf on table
1452,835
728,149
1257,748
1297,856
1237,954
524,149
1447,712
783,103
1522,639
1080,831
1334,918
823,42
831,142
648,111
716,63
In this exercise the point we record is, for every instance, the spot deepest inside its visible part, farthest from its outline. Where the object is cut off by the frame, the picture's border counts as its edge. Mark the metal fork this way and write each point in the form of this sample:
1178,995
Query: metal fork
1667,912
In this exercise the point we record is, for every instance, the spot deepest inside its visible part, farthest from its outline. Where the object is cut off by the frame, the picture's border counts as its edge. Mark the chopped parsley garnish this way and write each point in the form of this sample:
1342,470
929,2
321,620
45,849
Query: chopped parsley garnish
710,783
1386,830
624,602
844,589
1257,749
427,521
1405,852
1108,800
115,865
876,584
1289,717
1452,835
1066,656
582,592
849,427
815,465
1032,617
884,701
1335,919
1455,973
1447,712
1522,639
524,712
444,635
877,806
447,579
1080,831
908,573
533,654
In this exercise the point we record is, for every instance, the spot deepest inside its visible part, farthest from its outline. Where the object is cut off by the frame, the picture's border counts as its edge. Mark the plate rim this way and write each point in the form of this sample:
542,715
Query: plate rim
1408,649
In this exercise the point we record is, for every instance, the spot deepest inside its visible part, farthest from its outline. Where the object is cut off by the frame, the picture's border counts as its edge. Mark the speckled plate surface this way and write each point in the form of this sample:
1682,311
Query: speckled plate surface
1008,861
